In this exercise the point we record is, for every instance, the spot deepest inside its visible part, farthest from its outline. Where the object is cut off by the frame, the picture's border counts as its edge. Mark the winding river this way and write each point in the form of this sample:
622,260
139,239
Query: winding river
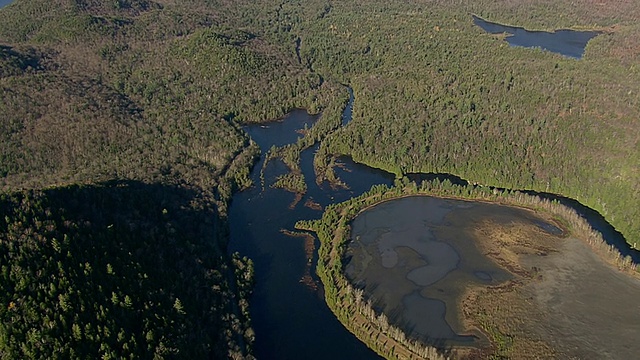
289,315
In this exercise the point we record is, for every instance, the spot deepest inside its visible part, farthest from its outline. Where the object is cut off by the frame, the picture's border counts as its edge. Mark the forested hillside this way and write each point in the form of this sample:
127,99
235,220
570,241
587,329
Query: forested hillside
118,117
122,270
434,93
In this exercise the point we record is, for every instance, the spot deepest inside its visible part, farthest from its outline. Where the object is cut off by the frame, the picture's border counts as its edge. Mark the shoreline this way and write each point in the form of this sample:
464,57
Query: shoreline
358,316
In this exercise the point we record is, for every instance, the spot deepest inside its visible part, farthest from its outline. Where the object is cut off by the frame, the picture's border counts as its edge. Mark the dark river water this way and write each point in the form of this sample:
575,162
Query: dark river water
565,42
289,316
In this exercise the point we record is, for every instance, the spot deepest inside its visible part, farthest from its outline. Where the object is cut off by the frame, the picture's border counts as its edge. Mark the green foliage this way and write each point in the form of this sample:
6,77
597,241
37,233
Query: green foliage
124,270
433,93
153,91
136,91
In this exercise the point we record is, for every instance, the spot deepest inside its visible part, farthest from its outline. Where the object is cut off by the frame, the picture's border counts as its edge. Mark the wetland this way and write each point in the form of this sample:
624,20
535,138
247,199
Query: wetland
410,257
478,279
470,278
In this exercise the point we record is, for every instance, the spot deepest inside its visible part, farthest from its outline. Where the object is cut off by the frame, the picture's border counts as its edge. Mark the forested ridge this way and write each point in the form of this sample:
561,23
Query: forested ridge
101,101
120,150
119,270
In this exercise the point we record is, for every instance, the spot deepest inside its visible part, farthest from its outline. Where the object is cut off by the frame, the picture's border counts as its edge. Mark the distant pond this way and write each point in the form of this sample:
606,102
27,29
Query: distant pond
565,42
4,3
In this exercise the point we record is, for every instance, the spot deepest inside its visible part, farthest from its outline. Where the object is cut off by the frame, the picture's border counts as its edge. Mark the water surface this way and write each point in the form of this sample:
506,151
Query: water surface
569,43
415,261
4,3
290,318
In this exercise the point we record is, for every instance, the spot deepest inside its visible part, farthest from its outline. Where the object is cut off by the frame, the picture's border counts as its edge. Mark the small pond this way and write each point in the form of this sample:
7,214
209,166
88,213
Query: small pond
4,3
569,43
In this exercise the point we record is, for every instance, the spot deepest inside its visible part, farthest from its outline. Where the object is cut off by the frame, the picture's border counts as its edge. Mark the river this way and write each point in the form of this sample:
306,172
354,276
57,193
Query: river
290,317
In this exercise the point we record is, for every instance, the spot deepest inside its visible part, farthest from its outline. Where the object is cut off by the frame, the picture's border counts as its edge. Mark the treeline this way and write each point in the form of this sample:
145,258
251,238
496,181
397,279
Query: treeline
355,311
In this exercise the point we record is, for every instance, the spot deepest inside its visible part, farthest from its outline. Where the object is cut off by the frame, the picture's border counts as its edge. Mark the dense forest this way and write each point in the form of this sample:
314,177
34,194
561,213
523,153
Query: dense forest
120,148
438,95
117,271
126,115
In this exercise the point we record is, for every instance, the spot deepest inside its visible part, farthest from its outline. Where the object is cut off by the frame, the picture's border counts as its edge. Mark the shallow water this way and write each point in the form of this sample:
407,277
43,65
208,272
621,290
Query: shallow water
290,317
569,43
415,265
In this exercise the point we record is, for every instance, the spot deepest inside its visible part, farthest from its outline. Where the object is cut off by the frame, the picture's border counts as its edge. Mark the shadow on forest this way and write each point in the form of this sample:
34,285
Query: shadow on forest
142,259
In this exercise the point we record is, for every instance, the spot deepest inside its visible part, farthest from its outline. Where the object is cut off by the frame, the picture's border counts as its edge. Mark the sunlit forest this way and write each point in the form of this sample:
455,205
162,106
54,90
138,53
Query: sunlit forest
120,129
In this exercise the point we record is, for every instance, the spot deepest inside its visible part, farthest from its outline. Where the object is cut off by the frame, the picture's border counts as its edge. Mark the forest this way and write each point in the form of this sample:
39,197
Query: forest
120,149
127,115
118,270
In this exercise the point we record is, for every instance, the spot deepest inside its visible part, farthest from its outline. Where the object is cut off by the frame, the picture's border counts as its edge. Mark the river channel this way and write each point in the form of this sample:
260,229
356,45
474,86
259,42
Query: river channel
289,315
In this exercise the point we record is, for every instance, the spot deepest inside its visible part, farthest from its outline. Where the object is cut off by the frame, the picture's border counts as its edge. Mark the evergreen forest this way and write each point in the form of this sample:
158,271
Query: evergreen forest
121,142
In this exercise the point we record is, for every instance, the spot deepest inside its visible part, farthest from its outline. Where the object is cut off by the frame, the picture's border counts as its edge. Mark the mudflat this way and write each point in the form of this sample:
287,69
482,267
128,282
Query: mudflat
564,301
579,306
488,279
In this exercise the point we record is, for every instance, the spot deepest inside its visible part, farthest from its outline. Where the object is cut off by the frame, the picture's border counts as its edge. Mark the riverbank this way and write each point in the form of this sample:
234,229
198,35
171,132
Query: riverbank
355,311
